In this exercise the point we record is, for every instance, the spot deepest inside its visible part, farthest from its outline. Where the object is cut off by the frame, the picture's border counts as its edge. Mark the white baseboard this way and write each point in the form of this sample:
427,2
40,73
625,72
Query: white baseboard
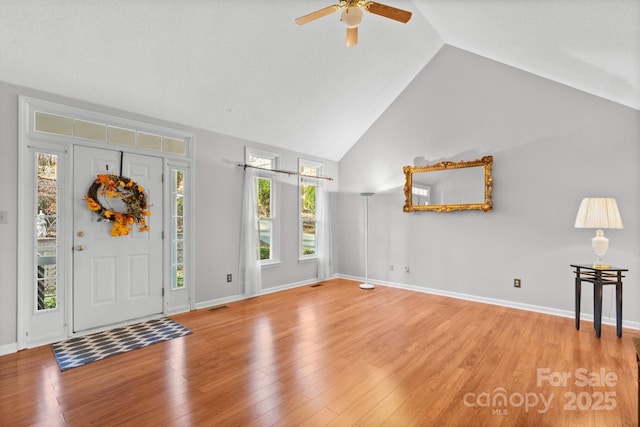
178,310
8,348
225,300
504,303
289,286
219,301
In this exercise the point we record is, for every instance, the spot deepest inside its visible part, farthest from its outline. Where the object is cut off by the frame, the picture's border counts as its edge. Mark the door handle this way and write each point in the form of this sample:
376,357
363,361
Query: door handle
80,248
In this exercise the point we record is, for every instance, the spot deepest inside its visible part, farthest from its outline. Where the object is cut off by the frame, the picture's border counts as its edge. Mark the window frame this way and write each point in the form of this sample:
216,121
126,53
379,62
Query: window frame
274,219
315,182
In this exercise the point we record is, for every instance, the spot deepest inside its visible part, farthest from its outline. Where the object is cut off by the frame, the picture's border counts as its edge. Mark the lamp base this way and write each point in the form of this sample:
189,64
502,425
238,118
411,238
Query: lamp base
367,286
599,264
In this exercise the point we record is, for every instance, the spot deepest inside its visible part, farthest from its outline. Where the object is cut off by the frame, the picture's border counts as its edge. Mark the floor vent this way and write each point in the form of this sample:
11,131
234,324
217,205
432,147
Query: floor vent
315,285
218,308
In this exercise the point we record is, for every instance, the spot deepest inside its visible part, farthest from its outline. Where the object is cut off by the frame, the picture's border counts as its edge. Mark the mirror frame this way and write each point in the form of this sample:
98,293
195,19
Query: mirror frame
486,206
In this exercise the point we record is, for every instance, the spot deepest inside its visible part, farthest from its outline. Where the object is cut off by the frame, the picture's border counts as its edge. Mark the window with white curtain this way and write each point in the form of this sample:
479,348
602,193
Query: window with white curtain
307,208
267,184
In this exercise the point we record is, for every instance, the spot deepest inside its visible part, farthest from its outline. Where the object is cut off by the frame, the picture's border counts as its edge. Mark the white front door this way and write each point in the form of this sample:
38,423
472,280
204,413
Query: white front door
115,279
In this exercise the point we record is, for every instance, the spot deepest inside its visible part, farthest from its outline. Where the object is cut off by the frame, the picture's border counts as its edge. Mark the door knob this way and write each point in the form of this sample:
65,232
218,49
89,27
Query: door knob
80,248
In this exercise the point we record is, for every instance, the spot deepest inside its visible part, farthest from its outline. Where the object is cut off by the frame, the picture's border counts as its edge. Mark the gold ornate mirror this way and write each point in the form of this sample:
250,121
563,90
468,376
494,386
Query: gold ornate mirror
449,186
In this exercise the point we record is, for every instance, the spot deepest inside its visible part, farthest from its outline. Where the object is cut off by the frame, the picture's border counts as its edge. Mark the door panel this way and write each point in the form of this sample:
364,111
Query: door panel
116,279
139,276
103,280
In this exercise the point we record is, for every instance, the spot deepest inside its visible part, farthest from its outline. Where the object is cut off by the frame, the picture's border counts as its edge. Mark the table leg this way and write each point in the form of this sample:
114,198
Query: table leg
578,295
597,302
619,309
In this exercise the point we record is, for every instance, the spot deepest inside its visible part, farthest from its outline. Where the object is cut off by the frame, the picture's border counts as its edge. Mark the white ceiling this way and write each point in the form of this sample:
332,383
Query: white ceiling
243,68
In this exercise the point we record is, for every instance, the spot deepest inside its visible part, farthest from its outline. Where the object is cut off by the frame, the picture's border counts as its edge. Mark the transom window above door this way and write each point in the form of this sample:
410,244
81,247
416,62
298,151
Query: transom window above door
99,132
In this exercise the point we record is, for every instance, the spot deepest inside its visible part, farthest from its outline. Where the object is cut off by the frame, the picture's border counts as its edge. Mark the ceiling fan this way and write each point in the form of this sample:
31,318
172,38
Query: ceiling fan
352,15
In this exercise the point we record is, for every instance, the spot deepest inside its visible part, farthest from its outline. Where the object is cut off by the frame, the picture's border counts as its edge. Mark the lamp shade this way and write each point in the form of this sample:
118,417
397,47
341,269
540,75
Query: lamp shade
598,212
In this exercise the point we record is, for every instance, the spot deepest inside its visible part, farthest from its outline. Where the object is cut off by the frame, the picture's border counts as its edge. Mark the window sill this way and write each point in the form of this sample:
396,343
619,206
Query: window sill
270,264
307,260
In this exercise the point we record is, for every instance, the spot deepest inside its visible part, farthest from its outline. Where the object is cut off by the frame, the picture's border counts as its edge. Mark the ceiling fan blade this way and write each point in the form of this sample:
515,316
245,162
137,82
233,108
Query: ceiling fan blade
388,11
317,14
352,36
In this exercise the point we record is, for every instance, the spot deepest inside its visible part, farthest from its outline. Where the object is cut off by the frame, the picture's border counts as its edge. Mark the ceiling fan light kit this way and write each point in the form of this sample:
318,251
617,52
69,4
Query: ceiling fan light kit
352,15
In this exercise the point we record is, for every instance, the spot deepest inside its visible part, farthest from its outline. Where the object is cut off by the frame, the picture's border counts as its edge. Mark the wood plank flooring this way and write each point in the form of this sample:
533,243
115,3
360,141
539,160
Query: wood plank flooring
336,355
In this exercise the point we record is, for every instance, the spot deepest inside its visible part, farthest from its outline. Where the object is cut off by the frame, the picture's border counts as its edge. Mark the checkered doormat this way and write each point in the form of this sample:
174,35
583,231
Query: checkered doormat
82,350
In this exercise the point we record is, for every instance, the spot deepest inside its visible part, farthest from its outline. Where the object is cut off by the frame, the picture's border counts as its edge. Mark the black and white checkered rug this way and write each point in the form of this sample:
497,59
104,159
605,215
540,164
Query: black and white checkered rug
82,350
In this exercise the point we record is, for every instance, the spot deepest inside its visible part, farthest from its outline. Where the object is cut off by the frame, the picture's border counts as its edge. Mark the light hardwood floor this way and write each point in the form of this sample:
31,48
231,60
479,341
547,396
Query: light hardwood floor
338,355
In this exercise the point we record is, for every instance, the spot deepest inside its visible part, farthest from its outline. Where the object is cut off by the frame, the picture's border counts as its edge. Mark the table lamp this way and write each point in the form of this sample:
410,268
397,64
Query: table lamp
599,213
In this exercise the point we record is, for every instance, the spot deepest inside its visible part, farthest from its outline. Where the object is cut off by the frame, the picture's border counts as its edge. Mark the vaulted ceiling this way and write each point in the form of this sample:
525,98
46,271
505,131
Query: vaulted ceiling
243,68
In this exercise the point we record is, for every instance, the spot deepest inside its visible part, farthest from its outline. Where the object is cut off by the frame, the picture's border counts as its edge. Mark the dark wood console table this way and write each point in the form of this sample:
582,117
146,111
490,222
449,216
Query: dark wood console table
599,277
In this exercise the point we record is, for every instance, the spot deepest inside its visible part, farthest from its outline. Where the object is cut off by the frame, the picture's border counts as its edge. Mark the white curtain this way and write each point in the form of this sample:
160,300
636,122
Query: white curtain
250,269
325,242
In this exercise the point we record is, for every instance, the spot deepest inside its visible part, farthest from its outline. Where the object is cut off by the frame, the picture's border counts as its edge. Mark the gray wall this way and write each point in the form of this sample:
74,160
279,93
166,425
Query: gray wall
219,206
552,146
218,209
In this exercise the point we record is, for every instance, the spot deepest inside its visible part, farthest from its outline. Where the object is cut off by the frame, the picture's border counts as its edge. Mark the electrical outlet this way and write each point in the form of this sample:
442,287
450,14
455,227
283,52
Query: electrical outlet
3,217
229,277
516,283
390,267
407,270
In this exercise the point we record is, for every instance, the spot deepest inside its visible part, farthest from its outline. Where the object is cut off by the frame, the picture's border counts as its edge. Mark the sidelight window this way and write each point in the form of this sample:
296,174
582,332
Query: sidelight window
45,220
178,224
